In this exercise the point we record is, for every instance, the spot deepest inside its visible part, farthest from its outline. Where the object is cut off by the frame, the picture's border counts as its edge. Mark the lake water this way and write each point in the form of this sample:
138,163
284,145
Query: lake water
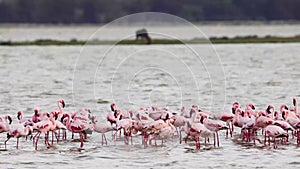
140,75
116,32
133,76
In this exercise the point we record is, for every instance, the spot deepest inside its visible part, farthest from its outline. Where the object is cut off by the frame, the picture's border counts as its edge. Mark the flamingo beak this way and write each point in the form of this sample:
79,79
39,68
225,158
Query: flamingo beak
294,102
10,120
201,120
36,112
283,115
63,103
18,116
233,110
286,107
253,107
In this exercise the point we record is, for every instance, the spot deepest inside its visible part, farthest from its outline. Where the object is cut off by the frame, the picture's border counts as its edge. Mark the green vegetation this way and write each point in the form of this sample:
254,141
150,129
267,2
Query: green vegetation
214,40
255,39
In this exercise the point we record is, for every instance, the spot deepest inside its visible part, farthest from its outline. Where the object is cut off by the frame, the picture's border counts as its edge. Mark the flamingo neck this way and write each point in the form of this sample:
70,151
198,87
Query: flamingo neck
60,108
296,107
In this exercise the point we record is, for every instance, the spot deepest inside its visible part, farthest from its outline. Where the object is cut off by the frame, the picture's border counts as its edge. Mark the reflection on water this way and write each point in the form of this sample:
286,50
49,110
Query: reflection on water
39,76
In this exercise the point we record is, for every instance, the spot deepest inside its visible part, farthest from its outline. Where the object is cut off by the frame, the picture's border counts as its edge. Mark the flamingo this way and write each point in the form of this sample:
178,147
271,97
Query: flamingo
184,112
227,117
126,125
37,116
291,118
296,110
24,121
294,121
17,131
179,121
102,128
141,124
60,104
155,127
250,107
213,125
269,113
166,132
43,126
275,132
5,125
60,126
112,116
76,126
195,130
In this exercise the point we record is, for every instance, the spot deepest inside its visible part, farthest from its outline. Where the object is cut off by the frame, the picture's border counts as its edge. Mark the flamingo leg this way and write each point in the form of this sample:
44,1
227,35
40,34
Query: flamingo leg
265,141
36,142
105,139
57,135
226,133
131,138
115,136
6,141
34,137
218,139
214,139
81,140
230,129
17,143
52,141
275,143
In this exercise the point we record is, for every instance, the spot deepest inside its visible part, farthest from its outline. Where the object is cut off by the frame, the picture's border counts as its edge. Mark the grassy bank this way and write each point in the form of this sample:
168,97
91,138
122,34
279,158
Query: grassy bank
214,40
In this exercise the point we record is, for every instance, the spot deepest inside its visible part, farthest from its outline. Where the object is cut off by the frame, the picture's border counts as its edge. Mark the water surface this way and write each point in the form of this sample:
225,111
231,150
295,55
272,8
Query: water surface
133,76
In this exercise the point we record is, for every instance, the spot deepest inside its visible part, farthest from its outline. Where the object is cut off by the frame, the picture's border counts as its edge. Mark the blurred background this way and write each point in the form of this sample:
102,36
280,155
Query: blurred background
103,11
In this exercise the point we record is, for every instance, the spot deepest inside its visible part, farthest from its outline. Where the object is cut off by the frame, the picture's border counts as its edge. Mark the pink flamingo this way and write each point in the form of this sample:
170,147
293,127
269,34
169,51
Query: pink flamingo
5,125
294,121
154,127
195,130
179,121
296,110
37,116
184,112
43,126
18,131
227,117
126,125
213,125
76,126
102,128
268,112
275,132
250,107
112,116
60,104
25,121
235,105
165,132
262,121
291,118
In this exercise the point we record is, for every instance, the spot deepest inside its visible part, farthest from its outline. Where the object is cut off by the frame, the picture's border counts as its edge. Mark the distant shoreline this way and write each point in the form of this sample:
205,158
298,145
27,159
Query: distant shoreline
237,22
213,40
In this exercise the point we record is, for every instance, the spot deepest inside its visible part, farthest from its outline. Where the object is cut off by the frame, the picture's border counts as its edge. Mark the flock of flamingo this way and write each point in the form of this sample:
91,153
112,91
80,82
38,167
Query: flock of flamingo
154,123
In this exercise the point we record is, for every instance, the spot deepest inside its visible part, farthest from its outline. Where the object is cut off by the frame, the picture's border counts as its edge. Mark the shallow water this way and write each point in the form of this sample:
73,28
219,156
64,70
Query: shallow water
134,76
